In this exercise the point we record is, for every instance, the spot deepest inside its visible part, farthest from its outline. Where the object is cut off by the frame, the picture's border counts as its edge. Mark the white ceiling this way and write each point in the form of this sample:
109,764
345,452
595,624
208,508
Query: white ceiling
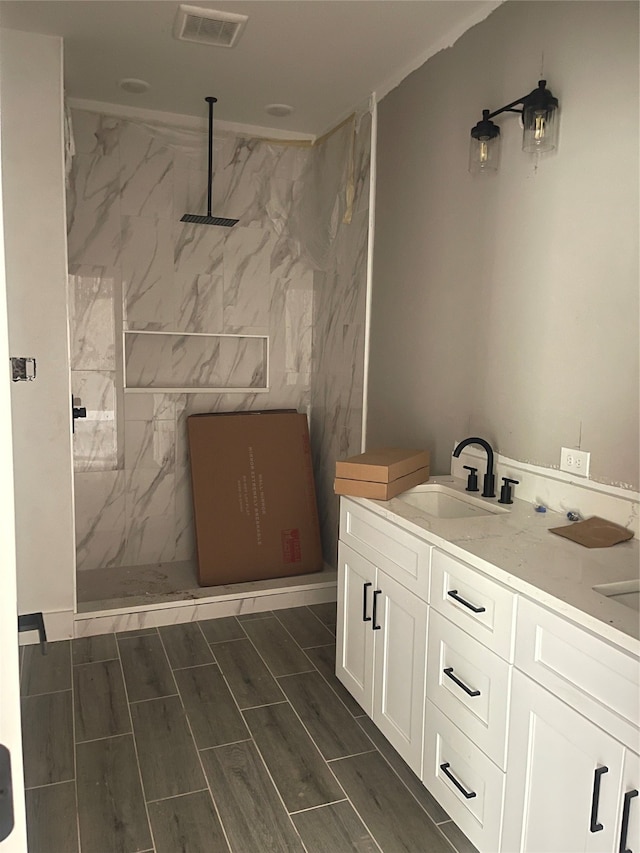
323,57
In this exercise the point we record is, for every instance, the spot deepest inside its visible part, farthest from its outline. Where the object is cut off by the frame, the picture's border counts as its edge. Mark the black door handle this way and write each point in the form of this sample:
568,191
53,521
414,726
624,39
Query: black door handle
624,829
468,795
365,618
454,594
375,625
594,826
449,672
6,794
76,412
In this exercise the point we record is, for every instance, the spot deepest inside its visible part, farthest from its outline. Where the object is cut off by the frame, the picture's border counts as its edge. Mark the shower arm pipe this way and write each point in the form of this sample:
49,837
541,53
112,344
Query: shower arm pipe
211,101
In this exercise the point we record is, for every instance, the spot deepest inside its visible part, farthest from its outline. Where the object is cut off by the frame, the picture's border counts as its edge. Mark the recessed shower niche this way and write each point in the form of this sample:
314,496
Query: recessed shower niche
179,362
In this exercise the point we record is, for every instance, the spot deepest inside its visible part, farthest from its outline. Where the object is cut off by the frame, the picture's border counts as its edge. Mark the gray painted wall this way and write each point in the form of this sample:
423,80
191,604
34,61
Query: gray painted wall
507,306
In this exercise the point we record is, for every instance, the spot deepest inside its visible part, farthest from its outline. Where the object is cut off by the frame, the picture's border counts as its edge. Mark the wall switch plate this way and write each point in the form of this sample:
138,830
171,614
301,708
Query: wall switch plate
575,461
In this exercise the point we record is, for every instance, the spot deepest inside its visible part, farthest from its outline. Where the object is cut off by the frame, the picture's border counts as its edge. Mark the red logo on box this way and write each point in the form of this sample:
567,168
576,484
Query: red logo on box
291,550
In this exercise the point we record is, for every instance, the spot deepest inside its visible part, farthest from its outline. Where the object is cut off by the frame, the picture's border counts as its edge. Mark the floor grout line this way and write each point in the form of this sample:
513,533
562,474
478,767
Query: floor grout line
135,748
230,640
106,737
319,806
47,693
266,705
153,698
297,716
177,796
204,772
255,745
74,744
193,666
49,784
374,748
220,745
92,662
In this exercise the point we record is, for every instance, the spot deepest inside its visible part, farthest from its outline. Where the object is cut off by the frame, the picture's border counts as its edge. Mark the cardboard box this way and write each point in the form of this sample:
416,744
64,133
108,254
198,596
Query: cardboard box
253,496
380,491
381,474
382,465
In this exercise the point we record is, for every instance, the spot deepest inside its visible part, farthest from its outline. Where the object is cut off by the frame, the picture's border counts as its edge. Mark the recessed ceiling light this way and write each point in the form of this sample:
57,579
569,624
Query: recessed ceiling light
133,85
279,110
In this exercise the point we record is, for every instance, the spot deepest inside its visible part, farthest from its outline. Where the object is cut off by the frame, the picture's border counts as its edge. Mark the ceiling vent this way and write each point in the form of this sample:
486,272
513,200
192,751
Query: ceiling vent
207,26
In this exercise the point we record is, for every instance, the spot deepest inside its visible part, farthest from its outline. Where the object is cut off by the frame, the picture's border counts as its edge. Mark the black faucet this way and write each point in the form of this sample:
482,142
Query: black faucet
488,485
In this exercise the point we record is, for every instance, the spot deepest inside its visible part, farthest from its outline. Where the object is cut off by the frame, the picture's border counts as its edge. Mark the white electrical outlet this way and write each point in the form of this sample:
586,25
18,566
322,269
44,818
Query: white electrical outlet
575,461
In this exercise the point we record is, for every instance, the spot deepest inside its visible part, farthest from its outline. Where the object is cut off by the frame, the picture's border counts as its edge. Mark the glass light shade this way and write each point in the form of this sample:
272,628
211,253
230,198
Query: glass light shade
540,130
484,154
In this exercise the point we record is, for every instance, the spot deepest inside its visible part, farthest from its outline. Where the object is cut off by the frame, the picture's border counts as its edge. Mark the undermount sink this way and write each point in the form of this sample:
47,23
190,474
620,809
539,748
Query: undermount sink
624,592
443,502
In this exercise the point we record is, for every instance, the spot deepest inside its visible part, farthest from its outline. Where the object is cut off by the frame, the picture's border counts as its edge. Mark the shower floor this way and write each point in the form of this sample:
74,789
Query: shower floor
159,583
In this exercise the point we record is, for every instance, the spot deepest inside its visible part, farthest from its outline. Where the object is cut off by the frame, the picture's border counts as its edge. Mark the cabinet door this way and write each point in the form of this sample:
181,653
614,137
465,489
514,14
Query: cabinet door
354,634
400,662
563,777
628,832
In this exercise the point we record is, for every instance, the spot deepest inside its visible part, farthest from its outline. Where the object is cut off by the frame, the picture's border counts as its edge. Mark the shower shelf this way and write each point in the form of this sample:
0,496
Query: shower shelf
167,362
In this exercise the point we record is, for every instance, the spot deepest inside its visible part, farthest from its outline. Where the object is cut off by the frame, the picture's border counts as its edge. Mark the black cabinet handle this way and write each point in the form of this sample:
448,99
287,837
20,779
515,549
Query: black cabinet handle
468,795
449,672
454,594
594,826
365,618
375,625
624,829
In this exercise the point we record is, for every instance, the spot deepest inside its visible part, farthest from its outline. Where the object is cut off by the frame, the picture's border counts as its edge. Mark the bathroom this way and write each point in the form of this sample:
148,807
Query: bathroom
505,308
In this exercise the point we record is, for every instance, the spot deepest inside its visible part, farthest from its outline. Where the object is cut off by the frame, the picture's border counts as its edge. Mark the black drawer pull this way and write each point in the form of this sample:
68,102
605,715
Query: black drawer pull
594,826
624,829
454,594
365,618
449,672
468,795
375,625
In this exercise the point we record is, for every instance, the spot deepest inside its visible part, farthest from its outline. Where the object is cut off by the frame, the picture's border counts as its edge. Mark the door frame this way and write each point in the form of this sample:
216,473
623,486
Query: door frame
10,723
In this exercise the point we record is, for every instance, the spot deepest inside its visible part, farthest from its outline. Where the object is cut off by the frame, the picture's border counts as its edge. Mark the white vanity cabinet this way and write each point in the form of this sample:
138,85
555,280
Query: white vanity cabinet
572,766
521,723
382,628
469,654
565,780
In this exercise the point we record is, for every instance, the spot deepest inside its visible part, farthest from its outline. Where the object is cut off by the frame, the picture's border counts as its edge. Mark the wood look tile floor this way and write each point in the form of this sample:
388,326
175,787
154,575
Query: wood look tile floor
227,736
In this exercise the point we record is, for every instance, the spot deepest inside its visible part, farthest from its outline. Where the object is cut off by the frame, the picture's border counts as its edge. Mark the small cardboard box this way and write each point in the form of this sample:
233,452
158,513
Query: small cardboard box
253,496
381,474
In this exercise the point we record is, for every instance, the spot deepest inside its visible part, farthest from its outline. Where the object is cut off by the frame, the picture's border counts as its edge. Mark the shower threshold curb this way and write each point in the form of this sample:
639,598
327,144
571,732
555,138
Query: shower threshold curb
228,600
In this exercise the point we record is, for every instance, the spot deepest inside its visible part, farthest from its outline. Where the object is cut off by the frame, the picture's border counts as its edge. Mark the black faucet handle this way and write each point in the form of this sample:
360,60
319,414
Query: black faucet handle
472,479
505,491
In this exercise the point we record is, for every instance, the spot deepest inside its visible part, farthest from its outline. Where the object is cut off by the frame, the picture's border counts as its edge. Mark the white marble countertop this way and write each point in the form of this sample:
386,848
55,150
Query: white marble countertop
517,549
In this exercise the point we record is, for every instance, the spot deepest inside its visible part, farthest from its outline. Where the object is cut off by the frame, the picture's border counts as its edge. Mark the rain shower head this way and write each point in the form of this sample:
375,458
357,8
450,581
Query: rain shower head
209,219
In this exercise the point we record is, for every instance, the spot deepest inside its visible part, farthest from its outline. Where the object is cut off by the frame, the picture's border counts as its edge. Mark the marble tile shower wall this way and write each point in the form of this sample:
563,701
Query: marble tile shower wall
337,360
134,266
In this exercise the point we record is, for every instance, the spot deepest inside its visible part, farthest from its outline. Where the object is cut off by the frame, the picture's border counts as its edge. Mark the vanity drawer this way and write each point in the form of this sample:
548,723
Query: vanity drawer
405,557
463,780
470,684
474,602
597,679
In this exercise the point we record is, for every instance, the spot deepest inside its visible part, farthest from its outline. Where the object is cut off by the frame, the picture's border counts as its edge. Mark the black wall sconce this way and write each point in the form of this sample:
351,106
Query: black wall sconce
540,129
